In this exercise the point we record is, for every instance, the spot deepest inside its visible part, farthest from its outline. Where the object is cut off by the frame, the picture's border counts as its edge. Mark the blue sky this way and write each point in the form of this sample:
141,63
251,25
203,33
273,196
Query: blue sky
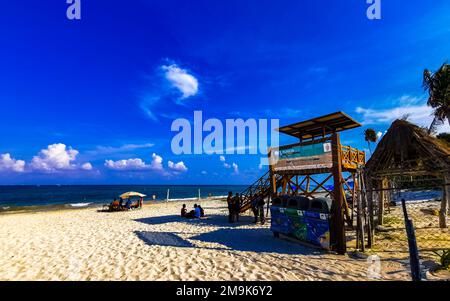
92,101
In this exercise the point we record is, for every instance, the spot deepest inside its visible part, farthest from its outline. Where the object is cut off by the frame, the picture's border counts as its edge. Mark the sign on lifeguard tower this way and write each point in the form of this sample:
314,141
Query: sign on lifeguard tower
301,157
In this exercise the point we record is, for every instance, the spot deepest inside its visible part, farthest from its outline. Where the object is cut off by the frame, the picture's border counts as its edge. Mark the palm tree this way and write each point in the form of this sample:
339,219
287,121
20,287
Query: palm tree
370,136
438,86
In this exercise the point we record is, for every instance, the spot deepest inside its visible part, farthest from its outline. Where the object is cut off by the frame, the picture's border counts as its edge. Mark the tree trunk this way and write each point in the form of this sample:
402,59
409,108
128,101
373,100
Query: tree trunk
445,201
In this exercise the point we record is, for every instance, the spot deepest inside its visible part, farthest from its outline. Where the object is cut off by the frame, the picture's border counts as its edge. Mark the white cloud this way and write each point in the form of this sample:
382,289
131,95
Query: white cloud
204,172
186,83
86,166
119,149
419,114
379,135
156,162
136,164
177,166
129,164
235,168
9,164
55,157
222,158
407,100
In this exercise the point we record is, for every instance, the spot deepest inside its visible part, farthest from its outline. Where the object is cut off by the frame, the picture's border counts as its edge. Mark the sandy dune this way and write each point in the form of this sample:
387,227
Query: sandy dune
155,244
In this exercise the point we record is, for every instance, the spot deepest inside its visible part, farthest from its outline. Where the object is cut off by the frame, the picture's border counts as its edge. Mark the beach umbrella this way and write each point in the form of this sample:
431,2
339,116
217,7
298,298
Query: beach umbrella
129,194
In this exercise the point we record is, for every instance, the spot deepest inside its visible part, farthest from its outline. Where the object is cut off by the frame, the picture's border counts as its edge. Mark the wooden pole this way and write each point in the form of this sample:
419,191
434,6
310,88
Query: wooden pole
412,244
307,183
381,202
339,227
369,204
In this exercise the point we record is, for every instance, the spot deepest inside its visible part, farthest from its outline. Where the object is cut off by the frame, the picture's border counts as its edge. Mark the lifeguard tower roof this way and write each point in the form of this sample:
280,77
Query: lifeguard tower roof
320,126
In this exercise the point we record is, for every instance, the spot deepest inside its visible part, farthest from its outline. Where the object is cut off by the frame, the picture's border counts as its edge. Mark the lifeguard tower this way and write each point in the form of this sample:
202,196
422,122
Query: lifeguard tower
318,165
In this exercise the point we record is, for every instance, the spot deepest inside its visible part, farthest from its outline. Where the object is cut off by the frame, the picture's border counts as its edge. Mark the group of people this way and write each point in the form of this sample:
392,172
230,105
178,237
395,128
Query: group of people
258,209
118,205
234,208
198,212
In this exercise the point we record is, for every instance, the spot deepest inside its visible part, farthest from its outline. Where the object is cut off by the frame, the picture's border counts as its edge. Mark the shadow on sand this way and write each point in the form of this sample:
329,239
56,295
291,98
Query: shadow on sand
163,239
228,235
253,240
210,220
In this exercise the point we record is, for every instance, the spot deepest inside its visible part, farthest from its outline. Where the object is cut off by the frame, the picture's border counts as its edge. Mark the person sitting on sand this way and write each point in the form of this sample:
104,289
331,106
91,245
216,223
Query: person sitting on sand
114,205
191,214
183,211
197,211
128,204
120,203
202,212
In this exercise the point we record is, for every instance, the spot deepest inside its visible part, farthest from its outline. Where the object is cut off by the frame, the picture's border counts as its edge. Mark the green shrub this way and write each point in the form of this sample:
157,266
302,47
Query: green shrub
444,258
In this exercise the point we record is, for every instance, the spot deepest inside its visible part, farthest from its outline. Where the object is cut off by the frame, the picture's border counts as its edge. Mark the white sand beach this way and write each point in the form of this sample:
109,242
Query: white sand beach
154,243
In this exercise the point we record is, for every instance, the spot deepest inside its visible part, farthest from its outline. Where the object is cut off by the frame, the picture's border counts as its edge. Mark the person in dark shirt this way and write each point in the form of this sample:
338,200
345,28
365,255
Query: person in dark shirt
183,211
128,204
236,207
230,207
255,208
260,205
202,212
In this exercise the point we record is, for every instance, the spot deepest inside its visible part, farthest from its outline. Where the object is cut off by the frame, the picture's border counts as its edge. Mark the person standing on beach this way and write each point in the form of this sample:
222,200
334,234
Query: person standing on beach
260,205
236,207
255,208
230,206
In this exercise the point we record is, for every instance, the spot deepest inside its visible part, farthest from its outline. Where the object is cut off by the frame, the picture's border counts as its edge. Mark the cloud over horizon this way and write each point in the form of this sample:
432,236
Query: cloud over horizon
137,164
180,166
7,163
56,157
415,109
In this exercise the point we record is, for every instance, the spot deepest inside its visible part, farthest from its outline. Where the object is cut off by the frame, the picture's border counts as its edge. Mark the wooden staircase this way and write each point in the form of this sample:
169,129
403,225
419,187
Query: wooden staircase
261,188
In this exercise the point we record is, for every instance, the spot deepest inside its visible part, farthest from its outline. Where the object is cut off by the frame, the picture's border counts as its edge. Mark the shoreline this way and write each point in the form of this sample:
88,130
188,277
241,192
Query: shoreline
74,206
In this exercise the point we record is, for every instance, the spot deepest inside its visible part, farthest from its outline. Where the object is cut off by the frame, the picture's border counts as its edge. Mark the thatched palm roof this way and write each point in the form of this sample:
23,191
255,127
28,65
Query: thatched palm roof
408,149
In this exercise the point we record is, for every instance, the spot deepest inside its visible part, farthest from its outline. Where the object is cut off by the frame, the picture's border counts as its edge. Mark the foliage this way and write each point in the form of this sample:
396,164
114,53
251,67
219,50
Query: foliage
438,86
444,137
444,258
370,136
